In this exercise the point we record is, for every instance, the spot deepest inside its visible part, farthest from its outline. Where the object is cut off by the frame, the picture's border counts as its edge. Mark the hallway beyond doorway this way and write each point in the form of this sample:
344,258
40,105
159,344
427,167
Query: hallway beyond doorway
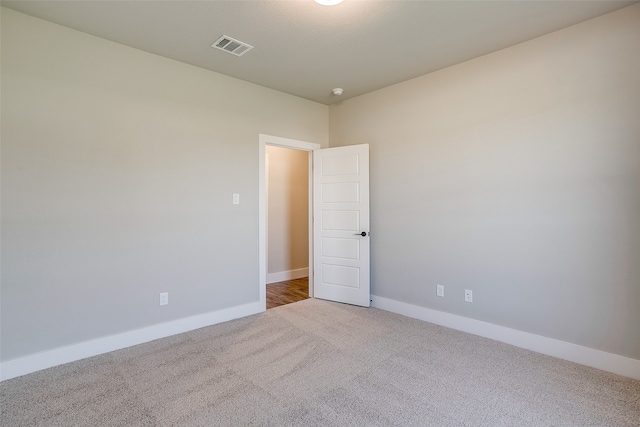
282,293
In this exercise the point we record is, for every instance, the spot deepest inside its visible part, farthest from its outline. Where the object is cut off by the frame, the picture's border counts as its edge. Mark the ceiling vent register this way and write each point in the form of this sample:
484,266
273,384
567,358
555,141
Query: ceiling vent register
231,45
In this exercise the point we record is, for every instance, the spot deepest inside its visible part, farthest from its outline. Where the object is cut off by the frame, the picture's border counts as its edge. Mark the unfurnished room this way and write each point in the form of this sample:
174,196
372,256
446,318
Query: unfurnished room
320,213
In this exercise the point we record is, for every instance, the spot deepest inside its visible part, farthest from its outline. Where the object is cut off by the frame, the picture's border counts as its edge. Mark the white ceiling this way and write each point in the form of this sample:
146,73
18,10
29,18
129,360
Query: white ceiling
306,49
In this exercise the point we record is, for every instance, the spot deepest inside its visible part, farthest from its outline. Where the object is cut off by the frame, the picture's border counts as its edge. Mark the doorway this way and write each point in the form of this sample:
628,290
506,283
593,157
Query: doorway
287,197
263,142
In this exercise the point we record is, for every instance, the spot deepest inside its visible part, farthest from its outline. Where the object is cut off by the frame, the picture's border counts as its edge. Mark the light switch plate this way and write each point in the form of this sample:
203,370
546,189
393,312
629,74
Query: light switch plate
236,199
440,290
164,298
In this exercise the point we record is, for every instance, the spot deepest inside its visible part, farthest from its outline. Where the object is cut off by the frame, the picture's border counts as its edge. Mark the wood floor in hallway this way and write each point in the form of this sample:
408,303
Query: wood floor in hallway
286,292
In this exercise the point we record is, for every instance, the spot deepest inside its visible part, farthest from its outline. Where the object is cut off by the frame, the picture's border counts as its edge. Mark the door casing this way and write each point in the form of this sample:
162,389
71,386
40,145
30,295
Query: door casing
263,141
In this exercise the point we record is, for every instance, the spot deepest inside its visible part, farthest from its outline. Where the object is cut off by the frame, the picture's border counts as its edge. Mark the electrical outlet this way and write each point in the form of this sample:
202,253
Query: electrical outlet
164,298
468,295
440,290
236,198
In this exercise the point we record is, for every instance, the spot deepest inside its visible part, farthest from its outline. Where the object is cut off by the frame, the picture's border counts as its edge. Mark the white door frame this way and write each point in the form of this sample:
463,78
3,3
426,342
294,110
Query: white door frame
263,141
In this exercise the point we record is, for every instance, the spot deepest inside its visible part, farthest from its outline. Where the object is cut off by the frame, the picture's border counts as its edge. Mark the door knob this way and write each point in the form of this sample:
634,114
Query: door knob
363,234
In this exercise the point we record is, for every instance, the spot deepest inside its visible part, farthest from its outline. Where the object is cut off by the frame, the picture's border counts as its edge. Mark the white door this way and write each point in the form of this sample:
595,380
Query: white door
341,224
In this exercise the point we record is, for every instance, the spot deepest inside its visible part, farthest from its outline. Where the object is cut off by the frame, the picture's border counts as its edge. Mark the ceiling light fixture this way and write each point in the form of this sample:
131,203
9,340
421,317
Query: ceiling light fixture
337,91
328,2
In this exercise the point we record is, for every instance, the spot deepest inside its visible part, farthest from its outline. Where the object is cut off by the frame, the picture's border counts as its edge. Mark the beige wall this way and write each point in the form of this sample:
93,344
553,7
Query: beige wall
515,175
118,169
288,209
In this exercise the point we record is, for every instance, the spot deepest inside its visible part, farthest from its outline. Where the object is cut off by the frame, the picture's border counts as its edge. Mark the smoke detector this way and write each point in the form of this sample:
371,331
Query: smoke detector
337,91
231,45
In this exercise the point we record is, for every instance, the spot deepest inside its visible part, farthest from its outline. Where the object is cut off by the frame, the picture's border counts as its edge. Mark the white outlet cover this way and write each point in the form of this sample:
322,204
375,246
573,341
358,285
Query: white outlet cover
440,290
236,199
164,298
468,295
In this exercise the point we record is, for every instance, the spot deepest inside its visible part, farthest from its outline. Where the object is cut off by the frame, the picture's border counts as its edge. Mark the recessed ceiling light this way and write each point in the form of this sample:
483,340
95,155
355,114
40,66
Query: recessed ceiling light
328,2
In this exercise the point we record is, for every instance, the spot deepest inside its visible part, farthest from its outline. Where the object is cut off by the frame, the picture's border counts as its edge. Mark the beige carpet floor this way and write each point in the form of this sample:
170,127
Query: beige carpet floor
317,363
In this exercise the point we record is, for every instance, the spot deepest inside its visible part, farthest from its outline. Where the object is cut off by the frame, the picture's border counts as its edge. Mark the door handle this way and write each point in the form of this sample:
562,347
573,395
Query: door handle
363,234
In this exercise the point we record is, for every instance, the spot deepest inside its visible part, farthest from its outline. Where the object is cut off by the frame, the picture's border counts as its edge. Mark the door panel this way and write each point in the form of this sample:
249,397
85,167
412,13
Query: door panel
341,215
341,220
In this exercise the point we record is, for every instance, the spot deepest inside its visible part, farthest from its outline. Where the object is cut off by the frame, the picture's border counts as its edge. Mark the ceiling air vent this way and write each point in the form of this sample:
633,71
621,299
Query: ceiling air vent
231,45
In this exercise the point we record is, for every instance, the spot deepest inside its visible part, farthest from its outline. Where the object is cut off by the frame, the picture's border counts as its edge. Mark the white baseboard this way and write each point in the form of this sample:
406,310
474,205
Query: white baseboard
572,352
58,356
575,353
288,275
